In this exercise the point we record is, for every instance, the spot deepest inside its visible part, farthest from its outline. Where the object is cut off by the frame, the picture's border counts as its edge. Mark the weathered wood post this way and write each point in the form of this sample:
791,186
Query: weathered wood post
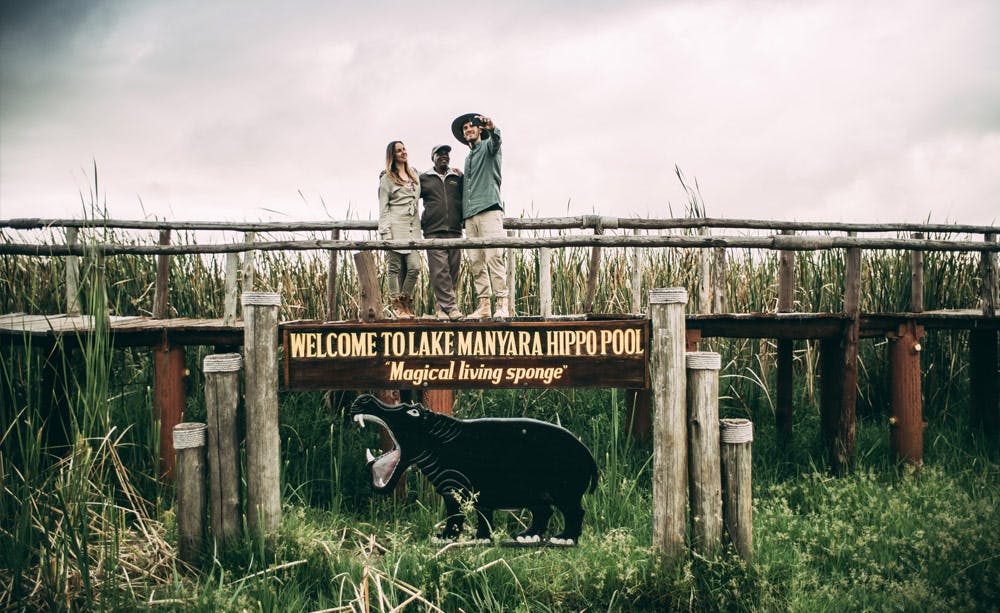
737,499
595,268
222,387
72,274
371,294
169,399
984,365
719,272
161,290
545,282
440,401
703,451
636,277
189,441
231,298
917,278
668,384
705,275
842,444
638,402
512,276
783,409
249,269
906,426
331,279
263,447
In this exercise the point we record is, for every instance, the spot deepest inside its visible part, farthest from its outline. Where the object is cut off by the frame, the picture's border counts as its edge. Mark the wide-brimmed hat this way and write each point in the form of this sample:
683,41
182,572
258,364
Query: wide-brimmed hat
461,120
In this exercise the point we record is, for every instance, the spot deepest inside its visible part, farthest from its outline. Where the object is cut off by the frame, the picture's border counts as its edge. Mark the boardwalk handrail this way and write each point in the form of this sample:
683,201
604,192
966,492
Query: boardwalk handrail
776,242
584,222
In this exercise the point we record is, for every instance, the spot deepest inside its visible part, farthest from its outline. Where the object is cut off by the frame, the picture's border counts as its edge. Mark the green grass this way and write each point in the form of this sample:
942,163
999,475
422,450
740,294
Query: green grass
84,524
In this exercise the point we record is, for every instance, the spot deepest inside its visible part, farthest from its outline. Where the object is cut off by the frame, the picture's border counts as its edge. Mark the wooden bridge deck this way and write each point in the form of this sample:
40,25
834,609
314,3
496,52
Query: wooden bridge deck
136,331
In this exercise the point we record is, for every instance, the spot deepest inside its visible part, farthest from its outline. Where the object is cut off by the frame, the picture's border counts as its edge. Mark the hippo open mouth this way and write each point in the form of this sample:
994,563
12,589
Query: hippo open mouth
383,466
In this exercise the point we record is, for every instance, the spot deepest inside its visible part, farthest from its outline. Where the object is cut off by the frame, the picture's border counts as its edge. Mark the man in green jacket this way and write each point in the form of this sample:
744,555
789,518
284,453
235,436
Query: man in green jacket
482,209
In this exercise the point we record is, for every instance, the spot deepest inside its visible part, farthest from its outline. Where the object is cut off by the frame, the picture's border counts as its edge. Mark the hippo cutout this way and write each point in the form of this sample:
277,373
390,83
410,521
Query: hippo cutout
500,463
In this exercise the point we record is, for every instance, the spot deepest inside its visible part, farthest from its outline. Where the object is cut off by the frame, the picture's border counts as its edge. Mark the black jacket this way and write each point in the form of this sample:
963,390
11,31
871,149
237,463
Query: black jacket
442,202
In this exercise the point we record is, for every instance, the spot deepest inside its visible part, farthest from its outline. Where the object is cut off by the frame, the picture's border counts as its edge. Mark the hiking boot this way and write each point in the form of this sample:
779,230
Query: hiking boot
483,312
501,311
454,314
400,307
408,303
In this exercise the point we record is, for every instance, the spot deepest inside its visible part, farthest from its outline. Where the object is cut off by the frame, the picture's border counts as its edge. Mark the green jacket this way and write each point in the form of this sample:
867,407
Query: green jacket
482,176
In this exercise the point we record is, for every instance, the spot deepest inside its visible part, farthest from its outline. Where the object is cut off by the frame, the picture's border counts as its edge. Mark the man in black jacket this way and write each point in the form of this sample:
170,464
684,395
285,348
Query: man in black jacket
441,189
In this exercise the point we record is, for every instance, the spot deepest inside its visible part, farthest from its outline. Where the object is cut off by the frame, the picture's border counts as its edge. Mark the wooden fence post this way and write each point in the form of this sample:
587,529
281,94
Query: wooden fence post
263,447
511,277
72,275
636,277
703,451
545,282
984,365
906,426
231,297
161,291
917,278
719,272
331,280
189,441
222,387
248,263
592,272
737,498
842,449
371,293
169,400
784,409
668,385
705,276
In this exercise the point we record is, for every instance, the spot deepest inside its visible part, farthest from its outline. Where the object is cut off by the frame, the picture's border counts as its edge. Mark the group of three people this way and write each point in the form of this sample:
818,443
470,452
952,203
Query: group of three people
451,200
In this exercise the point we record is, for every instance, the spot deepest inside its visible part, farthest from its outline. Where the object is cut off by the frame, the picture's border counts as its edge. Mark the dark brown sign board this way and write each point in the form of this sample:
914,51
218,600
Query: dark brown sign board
466,354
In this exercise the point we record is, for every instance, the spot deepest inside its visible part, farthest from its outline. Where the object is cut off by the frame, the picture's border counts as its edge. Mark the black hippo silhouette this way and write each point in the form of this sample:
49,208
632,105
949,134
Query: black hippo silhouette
499,463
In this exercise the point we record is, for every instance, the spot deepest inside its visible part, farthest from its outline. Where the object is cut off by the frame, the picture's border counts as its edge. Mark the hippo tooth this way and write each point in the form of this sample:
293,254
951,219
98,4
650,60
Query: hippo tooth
368,456
360,420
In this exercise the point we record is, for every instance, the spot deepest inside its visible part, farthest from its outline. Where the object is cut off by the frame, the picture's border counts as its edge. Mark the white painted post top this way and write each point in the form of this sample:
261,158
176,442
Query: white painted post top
668,295
222,362
261,299
703,360
189,434
735,430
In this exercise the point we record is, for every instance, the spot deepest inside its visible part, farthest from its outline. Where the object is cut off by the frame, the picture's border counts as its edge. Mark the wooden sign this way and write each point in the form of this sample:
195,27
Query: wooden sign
453,355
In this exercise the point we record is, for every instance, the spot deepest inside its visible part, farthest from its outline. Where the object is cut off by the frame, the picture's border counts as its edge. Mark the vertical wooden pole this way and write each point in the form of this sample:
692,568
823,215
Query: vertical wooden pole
719,273
593,271
440,401
512,277
705,276
638,414
842,450
169,399
668,385
161,291
917,278
831,378
230,300
371,293
222,388
72,275
331,280
636,277
249,265
545,282
737,498
189,441
984,365
783,410
703,449
263,447
906,426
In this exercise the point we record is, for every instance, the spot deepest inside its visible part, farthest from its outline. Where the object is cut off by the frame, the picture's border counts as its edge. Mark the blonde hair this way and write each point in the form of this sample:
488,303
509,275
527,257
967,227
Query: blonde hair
390,165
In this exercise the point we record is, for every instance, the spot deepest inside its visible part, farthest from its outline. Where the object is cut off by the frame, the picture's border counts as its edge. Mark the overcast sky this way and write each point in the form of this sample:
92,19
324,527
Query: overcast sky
826,110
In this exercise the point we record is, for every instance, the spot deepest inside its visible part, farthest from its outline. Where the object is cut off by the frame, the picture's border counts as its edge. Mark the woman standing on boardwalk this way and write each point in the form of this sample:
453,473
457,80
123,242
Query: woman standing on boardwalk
398,192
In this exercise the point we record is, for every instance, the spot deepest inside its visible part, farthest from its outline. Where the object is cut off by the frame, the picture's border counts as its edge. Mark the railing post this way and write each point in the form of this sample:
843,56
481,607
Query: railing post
331,280
719,281
72,274
784,410
737,498
249,263
842,449
222,386
705,275
263,445
545,282
512,276
636,277
169,399
371,292
984,365
703,451
230,300
161,291
668,385
189,441
594,270
906,426
917,278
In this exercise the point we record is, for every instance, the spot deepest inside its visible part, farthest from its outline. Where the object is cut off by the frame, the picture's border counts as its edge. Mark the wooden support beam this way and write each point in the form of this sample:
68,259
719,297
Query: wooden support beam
592,272
668,384
636,277
784,410
719,276
249,265
231,298
842,451
169,400
917,278
72,275
705,482
440,401
511,277
906,425
737,491
545,282
161,291
984,365
222,399
371,292
705,276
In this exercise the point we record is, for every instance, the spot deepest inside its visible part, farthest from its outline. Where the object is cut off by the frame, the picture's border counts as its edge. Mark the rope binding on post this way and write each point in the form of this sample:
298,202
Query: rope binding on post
261,299
222,362
189,435
702,360
668,295
736,431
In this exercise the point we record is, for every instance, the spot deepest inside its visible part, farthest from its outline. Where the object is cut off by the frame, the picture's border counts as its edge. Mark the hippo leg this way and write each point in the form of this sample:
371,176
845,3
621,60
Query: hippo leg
573,514
485,526
455,519
539,521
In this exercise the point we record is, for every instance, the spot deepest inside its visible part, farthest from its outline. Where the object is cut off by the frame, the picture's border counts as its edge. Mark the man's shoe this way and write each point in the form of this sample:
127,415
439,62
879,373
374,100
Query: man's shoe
439,314
483,312
455,314
501,312
401,308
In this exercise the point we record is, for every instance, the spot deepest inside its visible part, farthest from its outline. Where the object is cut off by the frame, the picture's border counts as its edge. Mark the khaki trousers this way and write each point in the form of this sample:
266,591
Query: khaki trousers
487,265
